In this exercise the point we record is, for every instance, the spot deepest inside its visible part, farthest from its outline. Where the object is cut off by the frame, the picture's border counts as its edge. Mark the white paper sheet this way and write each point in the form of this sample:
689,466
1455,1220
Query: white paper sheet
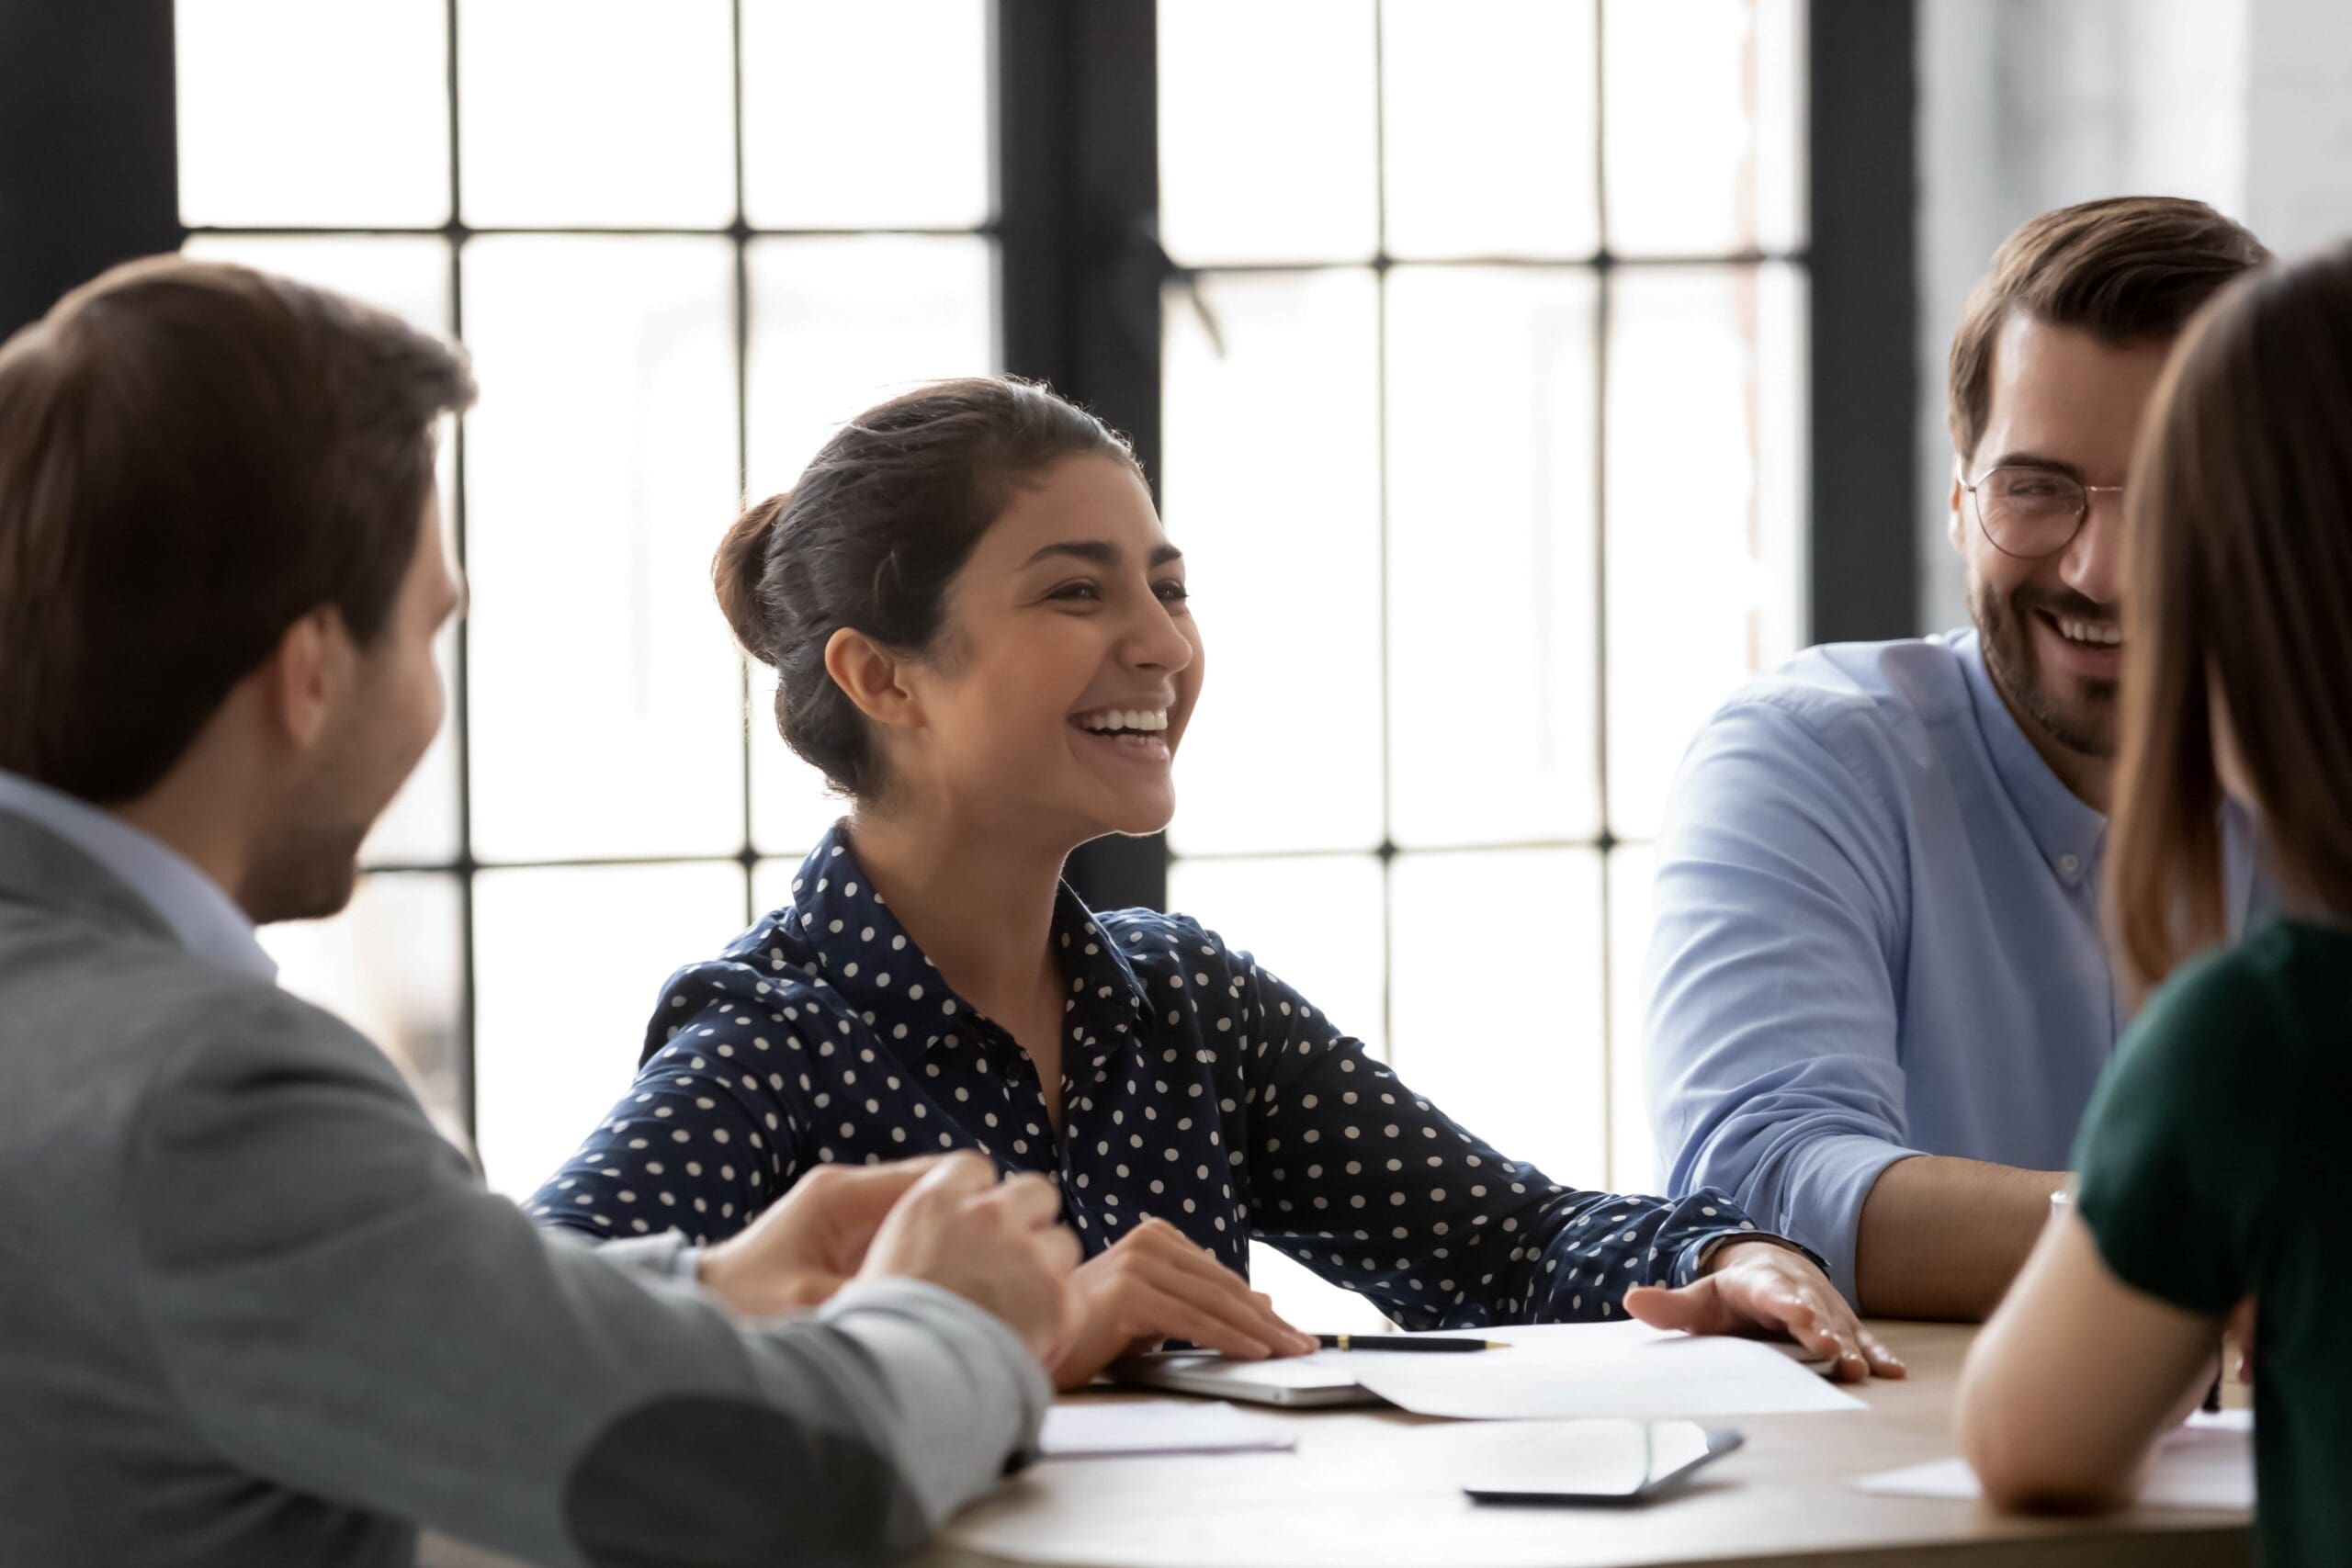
2208,1464
2220,1421
1362,1491
1578,1370
1144,1428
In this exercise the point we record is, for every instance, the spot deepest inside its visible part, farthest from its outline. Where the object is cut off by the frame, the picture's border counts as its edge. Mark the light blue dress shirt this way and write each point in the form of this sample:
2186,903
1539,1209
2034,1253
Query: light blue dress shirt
207,922
1877,935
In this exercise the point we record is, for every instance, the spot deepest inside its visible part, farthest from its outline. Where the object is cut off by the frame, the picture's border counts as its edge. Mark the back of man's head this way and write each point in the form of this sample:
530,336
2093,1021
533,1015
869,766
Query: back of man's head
193,457
2126,269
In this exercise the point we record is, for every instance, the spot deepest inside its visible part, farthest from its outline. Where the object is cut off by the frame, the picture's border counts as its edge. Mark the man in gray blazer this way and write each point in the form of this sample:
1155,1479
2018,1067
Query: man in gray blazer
252,1309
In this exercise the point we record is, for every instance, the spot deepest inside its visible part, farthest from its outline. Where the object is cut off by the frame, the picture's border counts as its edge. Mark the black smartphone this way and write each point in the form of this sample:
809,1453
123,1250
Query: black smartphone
1597,1463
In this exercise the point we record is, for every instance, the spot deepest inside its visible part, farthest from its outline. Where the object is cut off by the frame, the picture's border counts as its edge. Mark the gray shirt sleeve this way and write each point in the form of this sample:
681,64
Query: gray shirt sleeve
968,1395
981,1393
338,1306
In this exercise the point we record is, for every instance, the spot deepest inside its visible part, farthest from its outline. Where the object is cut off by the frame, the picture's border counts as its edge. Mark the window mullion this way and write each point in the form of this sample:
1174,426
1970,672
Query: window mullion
1078,175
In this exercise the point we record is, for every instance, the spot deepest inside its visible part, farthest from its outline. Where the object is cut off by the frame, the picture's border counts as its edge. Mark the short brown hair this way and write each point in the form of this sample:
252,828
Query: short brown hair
2238,572
2127,269
193,456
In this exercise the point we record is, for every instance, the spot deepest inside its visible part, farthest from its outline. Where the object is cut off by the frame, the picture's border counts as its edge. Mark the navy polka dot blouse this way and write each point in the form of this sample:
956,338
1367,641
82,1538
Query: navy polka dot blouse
1197,1087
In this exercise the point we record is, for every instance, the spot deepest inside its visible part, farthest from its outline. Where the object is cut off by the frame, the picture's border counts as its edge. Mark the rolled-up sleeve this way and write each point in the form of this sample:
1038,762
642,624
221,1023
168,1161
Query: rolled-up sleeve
1772,1030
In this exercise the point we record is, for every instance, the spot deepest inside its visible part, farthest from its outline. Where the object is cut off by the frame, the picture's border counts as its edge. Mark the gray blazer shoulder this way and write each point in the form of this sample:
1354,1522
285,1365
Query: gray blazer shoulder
278,1317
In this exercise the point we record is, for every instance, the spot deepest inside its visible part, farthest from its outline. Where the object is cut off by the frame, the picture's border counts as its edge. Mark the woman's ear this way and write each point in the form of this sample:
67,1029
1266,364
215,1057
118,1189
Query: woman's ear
871,676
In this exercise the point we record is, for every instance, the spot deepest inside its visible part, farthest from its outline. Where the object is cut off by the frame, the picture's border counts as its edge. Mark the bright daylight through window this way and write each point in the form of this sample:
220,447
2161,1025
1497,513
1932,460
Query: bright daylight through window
1483,428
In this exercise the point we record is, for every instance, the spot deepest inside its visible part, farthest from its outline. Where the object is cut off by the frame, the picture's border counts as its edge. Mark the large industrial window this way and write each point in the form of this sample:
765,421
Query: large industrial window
1481,421
680,241
1483,433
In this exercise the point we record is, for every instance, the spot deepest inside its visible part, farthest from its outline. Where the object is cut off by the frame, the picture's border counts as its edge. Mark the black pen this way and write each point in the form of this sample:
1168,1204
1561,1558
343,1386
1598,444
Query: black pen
1404,1342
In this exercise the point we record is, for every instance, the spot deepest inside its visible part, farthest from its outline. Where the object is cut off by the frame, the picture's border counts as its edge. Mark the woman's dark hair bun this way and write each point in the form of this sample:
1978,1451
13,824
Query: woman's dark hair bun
739,567
881,521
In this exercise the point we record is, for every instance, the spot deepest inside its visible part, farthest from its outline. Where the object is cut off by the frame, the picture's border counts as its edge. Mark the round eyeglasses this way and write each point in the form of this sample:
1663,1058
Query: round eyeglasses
2030,513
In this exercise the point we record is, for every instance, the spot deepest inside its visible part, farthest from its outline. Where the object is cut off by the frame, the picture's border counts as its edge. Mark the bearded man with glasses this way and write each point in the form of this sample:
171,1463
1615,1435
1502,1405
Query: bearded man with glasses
1879,994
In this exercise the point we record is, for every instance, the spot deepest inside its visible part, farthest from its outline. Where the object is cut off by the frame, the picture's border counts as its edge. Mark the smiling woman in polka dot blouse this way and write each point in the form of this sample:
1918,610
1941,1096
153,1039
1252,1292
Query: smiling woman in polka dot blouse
983,639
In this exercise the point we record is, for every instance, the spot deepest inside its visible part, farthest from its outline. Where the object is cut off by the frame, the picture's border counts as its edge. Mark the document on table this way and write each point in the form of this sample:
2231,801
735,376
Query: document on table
1579,1370
1364,1490
1149,1428
2208,1464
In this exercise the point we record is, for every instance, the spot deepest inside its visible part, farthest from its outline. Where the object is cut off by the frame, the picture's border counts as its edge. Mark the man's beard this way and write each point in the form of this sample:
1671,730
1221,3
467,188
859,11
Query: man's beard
307,866
307,873
2006,630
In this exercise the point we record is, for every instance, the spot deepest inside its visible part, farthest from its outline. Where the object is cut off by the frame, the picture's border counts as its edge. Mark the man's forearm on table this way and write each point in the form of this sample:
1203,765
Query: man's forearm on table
1942,1238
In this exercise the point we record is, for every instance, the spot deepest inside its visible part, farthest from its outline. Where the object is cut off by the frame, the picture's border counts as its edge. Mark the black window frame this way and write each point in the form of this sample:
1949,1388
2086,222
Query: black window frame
89,176
1085,276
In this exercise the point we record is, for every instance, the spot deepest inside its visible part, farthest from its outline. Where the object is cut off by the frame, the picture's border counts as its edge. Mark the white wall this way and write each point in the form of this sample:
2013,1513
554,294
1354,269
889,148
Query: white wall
2026,105
2297,150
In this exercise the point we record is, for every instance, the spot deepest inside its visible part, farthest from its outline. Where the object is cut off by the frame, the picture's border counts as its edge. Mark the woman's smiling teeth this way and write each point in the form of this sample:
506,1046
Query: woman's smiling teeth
1139,727
1115,721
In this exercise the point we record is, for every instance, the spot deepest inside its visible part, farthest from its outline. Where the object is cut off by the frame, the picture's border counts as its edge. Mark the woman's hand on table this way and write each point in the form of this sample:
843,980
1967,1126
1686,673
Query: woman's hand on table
1155,1284
1761,1287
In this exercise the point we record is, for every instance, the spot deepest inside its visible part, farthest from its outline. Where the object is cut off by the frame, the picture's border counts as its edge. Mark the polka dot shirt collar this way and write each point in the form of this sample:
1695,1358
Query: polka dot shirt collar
861,951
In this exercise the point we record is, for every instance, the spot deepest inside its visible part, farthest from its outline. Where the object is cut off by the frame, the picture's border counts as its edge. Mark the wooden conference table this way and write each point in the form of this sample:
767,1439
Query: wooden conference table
1786,1499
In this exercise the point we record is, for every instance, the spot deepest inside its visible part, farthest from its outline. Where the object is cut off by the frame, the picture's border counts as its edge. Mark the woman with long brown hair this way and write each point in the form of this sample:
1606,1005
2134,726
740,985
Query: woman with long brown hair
2205,1184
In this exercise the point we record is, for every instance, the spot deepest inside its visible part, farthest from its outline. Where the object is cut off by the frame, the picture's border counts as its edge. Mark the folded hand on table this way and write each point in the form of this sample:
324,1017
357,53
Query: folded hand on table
1754,1287
947,1221
809,1243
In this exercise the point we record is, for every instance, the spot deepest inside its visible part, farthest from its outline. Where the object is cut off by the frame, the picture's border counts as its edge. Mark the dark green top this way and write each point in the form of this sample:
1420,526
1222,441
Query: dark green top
2206,1178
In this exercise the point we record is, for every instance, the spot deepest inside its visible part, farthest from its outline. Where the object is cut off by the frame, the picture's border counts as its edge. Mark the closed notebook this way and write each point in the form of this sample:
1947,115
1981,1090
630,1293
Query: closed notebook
1298,1382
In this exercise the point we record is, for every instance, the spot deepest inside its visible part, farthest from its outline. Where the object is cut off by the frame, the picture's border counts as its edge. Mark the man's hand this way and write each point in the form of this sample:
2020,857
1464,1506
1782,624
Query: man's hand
999,1245
1760,1286
1155,1284
811,1241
